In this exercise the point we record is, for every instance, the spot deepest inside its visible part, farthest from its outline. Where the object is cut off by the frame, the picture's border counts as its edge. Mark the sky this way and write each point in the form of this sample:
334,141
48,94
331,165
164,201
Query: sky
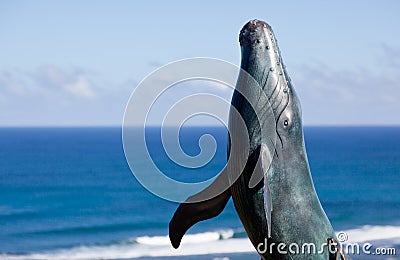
75,63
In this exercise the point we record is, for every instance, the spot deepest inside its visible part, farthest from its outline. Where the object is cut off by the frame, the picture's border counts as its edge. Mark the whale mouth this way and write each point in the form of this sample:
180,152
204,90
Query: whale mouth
260,52
253,33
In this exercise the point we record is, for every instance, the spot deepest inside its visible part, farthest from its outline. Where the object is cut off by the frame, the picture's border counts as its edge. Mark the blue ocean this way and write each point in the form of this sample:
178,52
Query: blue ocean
68,193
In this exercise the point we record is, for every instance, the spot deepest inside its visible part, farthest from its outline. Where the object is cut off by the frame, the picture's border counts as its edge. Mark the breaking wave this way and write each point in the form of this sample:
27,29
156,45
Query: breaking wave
216,242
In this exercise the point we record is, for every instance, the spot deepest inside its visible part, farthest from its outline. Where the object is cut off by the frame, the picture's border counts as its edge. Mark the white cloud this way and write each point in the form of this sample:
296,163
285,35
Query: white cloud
51,95
332,95
81,87
73,82
52,75
47,81
193,90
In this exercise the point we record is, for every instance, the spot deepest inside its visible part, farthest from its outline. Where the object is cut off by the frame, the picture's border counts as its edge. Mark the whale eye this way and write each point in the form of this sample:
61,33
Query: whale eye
286,122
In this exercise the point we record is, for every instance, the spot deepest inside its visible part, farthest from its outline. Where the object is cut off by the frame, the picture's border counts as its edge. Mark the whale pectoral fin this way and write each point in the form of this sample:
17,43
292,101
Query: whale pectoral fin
260,175
199,207
265,157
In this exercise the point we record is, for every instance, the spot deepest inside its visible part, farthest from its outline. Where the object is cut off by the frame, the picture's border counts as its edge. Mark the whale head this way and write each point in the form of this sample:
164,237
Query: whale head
261,58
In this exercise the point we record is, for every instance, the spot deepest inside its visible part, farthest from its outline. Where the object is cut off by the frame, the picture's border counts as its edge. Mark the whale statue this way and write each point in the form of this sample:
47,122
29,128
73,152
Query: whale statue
279,207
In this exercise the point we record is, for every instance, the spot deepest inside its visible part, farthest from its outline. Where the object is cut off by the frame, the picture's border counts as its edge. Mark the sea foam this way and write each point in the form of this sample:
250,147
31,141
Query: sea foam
218,242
